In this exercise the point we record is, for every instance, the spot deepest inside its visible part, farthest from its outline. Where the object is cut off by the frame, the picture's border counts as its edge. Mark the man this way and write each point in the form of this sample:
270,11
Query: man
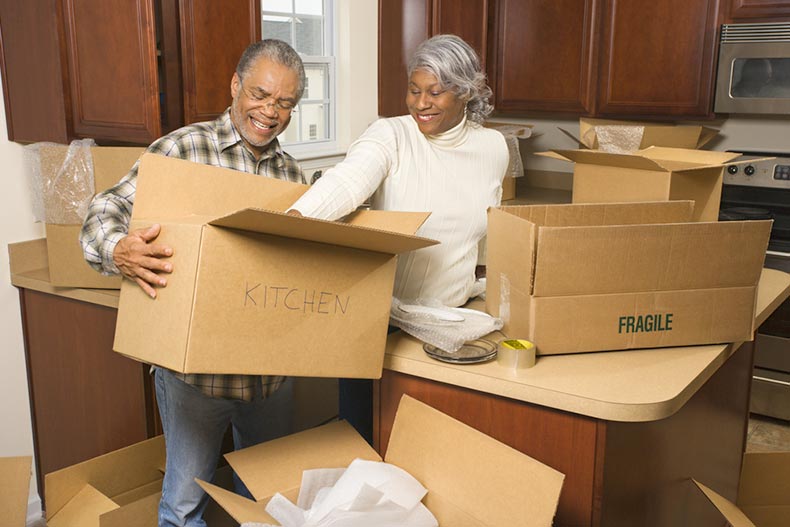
196,409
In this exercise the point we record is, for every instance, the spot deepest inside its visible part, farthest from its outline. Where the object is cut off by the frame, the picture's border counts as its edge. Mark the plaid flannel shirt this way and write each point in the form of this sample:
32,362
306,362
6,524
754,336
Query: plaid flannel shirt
214,143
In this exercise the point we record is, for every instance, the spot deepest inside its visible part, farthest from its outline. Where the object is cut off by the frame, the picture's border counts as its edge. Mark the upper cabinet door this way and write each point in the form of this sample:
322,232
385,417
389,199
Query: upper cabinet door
214,34
658,58
751,10
466,18
544,55
111,53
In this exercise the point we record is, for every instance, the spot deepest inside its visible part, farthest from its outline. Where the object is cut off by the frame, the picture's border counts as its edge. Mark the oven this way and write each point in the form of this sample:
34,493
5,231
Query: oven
760,189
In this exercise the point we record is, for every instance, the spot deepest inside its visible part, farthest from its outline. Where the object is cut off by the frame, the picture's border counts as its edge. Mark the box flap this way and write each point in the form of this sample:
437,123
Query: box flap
765,479
242,509
277,465
683,158
139,464
331,232
14,489
655,134
488,480
600,158
112,163
728,510
143,512
171,188
581,214
82,510
388,220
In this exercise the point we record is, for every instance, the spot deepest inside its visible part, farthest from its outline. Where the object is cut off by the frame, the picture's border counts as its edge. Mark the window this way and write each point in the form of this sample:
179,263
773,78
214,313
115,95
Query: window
308,26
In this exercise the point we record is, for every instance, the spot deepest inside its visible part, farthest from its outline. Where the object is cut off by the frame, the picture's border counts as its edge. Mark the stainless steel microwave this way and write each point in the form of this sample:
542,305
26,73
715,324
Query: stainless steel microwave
754,69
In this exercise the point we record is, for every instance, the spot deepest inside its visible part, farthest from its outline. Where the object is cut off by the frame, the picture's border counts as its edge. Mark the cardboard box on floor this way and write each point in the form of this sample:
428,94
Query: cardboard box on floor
14,489
764,490
652,174
67,266
472,479
647,133
592,277
258,291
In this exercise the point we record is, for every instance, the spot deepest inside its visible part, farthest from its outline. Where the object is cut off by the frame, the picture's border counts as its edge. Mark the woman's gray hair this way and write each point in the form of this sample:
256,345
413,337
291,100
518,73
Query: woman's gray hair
276,51
456,65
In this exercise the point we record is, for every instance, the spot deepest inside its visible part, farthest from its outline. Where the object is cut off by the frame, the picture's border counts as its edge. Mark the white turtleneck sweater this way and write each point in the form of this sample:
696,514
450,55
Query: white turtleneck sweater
455,175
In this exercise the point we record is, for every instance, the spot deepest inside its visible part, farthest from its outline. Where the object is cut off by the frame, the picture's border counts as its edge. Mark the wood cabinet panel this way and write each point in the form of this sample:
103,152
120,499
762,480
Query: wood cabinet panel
213,37
566,442
749,10
465,18
544,55
111,49
86,400
403,24
658,58
32,73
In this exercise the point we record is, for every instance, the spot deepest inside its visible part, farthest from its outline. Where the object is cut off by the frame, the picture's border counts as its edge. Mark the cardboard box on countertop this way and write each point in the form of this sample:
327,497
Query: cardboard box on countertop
593,277
67,266
472,479
652,174
14,489
257,291
647,133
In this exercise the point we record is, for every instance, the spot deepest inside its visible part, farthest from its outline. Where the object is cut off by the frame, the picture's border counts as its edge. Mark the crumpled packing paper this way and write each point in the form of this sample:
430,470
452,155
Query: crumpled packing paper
366,493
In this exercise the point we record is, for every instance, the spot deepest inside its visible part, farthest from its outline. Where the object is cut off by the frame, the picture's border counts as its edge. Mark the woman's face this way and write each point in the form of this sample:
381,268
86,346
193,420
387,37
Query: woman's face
434,108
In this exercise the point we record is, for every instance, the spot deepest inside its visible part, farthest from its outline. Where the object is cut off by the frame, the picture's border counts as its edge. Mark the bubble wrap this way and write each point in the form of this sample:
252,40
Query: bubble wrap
61,180
619,139
513,133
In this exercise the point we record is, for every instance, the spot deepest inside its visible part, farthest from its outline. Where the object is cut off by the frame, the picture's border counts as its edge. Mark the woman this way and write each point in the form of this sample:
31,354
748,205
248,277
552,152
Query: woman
437,159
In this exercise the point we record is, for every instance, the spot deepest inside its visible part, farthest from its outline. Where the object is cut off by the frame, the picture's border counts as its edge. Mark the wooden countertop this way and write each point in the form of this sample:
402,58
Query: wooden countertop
635,386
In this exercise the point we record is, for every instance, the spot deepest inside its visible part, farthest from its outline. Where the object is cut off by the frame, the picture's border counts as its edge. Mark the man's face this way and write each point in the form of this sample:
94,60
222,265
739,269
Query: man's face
262,102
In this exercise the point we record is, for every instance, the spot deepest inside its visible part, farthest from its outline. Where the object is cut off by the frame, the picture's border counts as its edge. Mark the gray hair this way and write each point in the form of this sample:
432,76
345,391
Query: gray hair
276,51
456,65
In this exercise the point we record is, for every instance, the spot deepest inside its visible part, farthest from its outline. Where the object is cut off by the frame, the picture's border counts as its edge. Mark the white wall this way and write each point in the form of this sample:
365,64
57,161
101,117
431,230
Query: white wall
16,224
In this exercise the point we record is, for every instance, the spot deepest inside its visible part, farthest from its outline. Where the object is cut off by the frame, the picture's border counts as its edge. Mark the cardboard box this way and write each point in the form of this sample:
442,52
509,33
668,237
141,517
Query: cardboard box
644,134
764,490
471,478
576,278
67,266
508,188
257,291
14,489
653,174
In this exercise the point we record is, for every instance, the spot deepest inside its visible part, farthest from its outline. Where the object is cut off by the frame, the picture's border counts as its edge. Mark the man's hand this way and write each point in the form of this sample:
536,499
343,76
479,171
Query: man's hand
140,259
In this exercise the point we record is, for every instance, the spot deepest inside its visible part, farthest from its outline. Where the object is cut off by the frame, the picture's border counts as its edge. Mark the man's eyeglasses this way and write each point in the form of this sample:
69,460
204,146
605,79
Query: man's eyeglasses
261,97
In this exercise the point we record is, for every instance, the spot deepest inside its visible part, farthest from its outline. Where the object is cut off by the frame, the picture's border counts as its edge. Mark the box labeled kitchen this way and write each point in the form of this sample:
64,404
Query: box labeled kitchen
257,291
592,277
68,177
652,174
471,478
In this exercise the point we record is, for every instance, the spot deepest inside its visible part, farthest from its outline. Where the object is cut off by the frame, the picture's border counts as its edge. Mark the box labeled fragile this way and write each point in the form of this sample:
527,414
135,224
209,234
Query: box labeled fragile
471,478
652,174
591,277
257,291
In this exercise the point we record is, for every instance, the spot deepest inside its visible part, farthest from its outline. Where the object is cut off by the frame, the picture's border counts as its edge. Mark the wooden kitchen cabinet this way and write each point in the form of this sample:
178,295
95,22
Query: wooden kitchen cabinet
119,73
658,58
544,56
403,24
85,399
744,11
581,57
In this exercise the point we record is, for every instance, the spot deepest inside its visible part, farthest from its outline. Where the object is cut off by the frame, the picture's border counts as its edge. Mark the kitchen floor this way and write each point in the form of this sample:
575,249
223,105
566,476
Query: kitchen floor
767,435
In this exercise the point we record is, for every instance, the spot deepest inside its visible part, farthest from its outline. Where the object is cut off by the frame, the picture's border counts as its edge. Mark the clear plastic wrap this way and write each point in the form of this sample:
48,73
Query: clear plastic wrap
447,328
512,133
61,180
619,139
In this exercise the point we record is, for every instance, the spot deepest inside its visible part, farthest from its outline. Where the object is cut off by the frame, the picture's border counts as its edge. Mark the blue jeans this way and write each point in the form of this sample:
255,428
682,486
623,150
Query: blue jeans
194,426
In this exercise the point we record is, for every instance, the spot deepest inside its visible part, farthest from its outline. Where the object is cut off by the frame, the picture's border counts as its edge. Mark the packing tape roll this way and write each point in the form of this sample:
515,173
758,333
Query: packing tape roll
516,354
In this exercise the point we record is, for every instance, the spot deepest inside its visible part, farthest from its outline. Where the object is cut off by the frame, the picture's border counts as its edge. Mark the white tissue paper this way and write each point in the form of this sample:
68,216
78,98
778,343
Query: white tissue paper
366,493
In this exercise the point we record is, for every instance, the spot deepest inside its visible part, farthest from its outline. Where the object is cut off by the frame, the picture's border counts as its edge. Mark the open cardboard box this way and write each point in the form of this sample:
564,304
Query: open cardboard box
592,277
647,133
764,490
472,479
14,489
67,266
257,291
652,174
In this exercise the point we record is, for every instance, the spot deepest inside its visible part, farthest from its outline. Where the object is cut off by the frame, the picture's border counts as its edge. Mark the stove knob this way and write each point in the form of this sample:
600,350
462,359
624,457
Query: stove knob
749,170
732,169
